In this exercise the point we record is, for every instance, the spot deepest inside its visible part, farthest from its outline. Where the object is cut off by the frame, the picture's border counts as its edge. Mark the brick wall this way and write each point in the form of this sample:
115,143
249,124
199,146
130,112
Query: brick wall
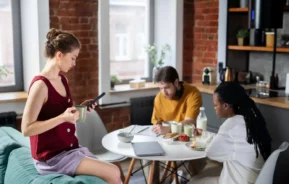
80,18
200,37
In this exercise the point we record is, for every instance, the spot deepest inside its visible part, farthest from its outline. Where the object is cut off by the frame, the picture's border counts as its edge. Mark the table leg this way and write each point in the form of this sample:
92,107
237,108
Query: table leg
166,169
129,171
171,175
194,167
174,165
154,175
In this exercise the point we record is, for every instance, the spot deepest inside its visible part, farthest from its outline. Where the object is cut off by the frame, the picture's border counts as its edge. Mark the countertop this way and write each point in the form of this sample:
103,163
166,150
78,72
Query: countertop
281,102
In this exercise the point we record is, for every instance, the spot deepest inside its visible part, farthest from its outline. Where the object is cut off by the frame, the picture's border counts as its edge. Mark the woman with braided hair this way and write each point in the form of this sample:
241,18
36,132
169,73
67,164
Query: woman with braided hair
243,142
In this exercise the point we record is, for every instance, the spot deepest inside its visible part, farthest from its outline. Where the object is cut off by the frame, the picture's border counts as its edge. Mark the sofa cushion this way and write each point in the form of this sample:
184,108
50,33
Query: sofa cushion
20,169
16,136
6,146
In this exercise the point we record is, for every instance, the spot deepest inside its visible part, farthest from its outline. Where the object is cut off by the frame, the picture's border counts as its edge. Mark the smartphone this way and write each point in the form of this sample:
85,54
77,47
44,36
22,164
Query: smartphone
95,100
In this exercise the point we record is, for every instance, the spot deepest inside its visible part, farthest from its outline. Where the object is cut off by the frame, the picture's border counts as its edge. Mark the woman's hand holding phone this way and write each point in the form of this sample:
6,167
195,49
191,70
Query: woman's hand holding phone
89,108
92,103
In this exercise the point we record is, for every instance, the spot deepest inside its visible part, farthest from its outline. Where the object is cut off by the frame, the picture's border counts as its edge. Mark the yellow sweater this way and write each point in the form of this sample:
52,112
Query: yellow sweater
188,106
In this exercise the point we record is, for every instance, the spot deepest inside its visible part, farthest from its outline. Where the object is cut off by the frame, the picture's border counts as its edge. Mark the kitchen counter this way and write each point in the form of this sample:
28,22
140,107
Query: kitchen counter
281,102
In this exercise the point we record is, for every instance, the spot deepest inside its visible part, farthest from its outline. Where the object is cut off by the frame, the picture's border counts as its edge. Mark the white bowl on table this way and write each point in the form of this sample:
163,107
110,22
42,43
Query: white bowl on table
125,137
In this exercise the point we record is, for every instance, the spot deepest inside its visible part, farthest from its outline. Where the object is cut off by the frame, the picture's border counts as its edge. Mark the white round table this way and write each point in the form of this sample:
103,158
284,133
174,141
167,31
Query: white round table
177,151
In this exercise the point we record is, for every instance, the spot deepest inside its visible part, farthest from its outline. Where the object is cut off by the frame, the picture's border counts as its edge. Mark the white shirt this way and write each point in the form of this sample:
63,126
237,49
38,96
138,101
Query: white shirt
230,146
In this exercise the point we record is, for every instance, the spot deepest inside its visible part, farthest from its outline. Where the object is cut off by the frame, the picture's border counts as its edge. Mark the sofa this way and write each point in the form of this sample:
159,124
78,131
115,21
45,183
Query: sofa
16,163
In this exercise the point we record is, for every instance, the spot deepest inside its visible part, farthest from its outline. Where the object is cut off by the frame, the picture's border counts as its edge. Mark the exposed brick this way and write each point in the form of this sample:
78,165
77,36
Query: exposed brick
85,40
54,19
66,5
93,47
61,13
83,20
210,54
53,3
212,17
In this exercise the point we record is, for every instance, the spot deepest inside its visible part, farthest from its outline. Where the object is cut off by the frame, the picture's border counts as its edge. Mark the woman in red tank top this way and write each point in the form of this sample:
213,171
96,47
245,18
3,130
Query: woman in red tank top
49,116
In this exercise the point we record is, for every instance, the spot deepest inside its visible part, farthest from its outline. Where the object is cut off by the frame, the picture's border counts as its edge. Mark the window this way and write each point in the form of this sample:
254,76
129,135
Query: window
137,23
10,45
140,44
129,25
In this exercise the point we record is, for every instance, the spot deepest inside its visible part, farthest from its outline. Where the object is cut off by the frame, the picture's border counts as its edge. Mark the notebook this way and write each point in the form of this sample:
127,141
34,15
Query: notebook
143,149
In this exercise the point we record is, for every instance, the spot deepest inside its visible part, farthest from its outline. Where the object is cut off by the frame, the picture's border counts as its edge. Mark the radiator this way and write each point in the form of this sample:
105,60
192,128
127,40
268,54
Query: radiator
141,110
8,119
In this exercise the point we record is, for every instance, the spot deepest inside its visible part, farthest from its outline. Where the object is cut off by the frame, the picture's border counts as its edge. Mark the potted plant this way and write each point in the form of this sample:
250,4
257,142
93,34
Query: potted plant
113,80
153,54
4,72
241,35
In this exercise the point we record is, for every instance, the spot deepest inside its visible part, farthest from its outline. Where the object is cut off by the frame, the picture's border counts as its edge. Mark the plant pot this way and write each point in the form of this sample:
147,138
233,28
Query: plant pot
243,3
155,70
241,41
112,84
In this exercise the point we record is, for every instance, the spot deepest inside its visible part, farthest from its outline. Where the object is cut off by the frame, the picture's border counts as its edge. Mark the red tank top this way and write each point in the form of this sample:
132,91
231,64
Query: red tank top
62,137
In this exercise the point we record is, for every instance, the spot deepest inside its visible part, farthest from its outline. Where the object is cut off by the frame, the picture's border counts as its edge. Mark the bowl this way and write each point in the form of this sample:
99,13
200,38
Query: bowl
125,137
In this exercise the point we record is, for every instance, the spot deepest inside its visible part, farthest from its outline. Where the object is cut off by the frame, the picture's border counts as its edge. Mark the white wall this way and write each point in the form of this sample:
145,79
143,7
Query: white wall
18,107
34,25
169,30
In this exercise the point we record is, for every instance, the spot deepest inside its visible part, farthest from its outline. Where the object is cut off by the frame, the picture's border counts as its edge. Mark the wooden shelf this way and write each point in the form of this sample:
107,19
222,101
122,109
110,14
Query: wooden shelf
244,10
240,10
255,48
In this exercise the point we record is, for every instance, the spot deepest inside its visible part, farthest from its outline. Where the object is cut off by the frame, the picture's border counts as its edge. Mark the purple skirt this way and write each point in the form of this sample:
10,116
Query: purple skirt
64,163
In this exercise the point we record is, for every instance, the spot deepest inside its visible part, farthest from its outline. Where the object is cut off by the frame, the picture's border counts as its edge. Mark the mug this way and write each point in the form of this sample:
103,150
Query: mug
82,113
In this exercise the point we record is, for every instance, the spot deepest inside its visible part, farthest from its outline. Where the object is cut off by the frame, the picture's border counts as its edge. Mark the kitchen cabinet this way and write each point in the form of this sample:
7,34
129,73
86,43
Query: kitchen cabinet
237,57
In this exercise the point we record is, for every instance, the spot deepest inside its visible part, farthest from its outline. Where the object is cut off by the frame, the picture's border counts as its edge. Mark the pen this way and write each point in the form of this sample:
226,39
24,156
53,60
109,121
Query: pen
143,129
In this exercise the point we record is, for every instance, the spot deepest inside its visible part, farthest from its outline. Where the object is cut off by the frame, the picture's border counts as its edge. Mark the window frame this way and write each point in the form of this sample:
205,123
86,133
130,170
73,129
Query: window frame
17,49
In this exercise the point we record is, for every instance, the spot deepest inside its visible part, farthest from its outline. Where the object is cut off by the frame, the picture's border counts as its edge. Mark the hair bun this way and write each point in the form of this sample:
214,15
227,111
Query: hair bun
52,34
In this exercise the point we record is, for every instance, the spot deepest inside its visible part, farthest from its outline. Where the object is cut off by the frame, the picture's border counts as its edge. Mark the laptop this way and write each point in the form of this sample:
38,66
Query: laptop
143,149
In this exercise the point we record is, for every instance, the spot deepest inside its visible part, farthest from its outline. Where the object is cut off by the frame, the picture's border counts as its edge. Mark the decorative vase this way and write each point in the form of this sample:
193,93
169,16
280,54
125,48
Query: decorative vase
240,41
155,70
243,3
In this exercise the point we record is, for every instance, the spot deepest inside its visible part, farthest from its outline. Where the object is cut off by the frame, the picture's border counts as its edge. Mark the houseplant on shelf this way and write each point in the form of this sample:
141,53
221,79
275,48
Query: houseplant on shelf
153,54
241,35
113,80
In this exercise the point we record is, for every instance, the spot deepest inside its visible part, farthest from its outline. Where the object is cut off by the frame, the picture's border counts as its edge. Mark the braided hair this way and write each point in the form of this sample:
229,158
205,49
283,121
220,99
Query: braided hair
234,94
